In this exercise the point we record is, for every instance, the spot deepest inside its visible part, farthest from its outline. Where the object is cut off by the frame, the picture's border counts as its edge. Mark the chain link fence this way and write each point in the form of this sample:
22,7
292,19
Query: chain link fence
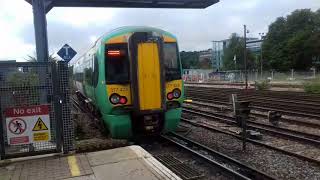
207,76
26,87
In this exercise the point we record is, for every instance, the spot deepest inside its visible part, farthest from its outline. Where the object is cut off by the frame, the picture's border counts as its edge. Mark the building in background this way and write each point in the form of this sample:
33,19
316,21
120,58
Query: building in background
217,53
254,45
218,47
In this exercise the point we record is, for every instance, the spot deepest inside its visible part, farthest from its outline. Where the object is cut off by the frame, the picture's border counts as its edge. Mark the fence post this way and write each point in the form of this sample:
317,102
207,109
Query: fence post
57,104
67,123
2,145
291,74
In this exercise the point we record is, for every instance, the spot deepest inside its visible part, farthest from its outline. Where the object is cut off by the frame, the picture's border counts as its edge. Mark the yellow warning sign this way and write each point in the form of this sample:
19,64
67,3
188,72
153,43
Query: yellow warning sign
42,136
40,125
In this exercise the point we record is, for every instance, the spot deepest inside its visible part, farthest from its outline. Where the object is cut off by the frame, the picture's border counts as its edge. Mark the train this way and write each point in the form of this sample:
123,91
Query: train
132,78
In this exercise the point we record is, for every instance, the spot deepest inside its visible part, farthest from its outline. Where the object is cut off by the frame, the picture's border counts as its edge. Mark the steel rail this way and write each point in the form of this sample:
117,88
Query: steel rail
84,110
210,127
243,171
254,125
261,94
317,116
257,97
302,108
304,123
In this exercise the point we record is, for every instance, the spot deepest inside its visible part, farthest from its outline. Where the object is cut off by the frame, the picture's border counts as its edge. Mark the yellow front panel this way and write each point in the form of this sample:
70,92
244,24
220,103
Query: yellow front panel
171,85
122,90
149,76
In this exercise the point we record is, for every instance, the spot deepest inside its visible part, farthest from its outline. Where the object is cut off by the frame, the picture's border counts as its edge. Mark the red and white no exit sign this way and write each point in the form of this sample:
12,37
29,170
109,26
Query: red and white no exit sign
27,124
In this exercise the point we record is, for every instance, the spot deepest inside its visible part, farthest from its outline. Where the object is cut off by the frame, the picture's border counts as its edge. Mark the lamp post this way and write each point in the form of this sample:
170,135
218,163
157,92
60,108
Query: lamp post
261,57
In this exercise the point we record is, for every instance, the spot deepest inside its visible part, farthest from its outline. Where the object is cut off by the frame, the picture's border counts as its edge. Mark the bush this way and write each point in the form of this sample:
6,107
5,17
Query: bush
312,86
262,85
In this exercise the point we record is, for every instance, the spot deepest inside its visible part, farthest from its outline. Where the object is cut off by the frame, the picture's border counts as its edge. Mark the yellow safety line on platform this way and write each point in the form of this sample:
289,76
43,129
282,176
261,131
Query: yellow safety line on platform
73,166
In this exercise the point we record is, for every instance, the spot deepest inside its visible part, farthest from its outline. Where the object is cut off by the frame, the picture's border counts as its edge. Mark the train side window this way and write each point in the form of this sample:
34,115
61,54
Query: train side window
88,72
95,71
171,61
117,64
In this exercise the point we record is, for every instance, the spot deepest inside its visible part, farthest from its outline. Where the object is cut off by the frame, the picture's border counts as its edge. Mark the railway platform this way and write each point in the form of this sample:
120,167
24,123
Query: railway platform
131,162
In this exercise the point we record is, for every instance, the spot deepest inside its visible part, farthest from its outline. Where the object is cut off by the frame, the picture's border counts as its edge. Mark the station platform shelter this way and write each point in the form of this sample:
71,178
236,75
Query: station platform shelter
131,162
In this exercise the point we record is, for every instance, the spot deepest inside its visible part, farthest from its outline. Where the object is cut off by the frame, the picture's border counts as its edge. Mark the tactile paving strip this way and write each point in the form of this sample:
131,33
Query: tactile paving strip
178,167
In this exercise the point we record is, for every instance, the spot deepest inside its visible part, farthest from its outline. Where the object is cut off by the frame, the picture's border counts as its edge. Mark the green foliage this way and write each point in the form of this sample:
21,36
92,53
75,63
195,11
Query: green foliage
21,79
189,60
293,42
34,58
236,48
312,87
24,82
262,85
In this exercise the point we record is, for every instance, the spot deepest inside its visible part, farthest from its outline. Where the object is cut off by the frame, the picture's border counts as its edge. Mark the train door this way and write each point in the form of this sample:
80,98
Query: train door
147,80
147,75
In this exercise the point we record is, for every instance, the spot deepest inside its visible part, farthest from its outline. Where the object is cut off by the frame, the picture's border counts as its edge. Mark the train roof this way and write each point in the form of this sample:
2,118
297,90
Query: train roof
125,30
130,29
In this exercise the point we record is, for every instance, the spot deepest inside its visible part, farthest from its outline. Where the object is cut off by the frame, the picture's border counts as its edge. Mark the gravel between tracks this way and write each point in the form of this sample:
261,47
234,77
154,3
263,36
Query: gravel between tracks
272,162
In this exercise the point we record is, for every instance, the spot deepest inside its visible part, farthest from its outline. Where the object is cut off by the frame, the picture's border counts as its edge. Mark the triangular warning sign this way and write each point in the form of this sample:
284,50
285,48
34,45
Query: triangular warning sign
40,125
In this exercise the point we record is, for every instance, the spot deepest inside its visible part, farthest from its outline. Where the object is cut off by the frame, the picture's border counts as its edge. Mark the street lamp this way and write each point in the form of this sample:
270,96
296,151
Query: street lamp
261,59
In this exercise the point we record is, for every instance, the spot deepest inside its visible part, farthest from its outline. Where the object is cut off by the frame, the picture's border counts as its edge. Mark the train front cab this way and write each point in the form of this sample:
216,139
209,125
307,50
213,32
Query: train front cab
144,85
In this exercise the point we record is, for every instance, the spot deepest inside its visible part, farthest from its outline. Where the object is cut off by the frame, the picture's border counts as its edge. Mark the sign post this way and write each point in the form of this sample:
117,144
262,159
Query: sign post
66,52
26,125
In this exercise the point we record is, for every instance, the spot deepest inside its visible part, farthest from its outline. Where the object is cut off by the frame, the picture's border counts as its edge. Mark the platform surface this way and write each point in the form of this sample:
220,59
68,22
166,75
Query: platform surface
131,162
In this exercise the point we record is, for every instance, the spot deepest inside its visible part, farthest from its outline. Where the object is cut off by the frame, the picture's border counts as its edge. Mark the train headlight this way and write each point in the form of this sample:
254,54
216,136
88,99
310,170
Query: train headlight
170,96
123,100
176,93
114,98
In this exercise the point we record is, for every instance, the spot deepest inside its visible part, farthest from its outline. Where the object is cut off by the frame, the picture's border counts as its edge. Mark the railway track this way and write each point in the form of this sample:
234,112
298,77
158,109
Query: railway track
287,98
287,147
97,122
297,105
270,107
230,165
261,115
239,84
263,93
292,134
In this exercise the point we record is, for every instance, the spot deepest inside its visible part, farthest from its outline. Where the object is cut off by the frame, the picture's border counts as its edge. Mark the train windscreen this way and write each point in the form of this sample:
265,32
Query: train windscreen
117,64
171,61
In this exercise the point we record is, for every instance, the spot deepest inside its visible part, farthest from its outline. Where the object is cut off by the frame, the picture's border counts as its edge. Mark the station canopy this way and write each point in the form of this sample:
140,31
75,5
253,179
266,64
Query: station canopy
195,4
42,7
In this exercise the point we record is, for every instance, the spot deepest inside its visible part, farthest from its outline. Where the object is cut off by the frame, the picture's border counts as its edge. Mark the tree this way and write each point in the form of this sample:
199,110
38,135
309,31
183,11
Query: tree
34,58
235,49
293,42
189,60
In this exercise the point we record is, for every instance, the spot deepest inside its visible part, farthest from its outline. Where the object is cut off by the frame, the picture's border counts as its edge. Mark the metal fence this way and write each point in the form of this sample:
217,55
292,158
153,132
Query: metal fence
35,109
292,76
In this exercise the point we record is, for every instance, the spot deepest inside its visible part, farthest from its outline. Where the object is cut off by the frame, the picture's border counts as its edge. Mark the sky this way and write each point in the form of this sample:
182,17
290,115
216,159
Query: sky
194,28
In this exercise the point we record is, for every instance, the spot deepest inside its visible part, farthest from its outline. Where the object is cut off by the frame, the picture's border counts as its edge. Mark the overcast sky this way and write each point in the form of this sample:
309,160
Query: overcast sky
195,29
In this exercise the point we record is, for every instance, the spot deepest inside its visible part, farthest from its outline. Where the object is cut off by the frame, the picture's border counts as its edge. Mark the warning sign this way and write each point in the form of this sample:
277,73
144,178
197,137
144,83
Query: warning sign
17,126
40,125
26,125
43,136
